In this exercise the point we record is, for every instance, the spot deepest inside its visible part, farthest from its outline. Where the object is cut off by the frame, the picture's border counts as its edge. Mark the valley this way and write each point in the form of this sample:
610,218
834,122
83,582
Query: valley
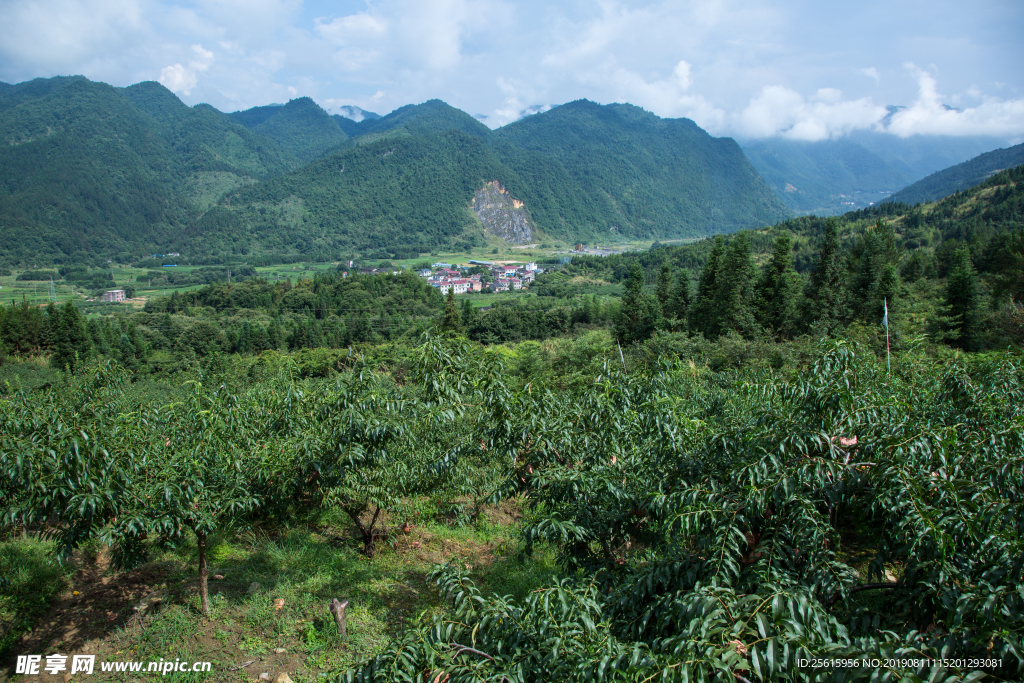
588,397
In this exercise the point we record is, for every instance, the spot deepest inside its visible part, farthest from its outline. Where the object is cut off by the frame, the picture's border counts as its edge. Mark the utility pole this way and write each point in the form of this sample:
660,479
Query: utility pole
885,319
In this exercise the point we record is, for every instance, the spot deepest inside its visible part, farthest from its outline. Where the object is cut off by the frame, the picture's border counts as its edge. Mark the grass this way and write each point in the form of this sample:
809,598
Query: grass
29,582
270,607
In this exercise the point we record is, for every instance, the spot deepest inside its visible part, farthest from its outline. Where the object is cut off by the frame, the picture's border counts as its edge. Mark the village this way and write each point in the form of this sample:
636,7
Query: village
474,276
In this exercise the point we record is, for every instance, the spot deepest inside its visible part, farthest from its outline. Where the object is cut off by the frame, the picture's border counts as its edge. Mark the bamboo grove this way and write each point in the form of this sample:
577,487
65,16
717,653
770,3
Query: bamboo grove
708,526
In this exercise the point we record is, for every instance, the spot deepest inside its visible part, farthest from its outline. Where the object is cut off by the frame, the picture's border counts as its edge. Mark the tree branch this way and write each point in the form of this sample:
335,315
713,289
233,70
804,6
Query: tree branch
866,587
464,648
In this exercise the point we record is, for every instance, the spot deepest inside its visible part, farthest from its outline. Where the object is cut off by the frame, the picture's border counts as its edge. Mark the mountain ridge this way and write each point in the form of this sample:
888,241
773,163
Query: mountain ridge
962,176
98,171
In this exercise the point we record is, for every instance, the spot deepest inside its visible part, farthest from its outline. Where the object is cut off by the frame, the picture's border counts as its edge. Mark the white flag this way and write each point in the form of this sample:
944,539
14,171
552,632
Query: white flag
885,316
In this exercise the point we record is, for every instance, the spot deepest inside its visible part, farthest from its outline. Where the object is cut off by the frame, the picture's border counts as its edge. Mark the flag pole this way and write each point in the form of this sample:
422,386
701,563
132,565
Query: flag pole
885,319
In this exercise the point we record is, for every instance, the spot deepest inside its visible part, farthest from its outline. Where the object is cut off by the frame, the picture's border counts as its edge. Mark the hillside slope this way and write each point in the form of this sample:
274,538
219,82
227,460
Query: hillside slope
827,177
640,175
400,193
95,171
962,176
89,169
301,128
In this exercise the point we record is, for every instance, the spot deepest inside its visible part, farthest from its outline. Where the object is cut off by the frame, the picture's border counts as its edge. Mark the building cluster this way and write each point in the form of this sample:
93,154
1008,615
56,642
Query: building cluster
504,278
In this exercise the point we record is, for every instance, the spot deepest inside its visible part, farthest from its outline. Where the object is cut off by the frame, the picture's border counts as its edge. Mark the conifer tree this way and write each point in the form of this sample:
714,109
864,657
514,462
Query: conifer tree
875,265
639,317
680,302
126,353
962,298
825,303
702,313
451,320
734,290
778,291
70,338
468,312
664,291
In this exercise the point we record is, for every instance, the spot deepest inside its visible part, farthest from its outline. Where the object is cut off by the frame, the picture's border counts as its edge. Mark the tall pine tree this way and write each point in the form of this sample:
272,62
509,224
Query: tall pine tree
71,341
664,291
779,291
639,316
963,300
825,306
451,319
875,261
734,290
702,312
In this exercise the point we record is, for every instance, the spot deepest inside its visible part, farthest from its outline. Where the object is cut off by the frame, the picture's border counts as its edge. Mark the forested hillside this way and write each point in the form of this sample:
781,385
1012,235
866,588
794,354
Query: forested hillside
91,170
433,116
934,265
399,193
826,177
139,172
301,128
960,177
835,176
633,173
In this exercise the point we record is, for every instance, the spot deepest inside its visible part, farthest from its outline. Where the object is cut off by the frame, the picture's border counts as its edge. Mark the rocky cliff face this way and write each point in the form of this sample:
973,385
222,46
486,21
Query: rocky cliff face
502,215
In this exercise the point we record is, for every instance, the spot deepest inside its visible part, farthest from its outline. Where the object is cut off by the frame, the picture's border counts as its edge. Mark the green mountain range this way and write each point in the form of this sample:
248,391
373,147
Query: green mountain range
584,172
827,177
856,171
962,176
301,128
90,171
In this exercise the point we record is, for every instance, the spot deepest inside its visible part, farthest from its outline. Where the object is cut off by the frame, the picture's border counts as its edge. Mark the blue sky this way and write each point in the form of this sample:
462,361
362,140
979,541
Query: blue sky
747,68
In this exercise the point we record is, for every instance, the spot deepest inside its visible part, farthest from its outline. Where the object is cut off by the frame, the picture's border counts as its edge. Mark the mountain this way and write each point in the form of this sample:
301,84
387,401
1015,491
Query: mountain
962,176
834,176
639,175
430,174
88,169
301,128
349,117
433,116
926,238
827,177
401,193
354,113
92,171
921,155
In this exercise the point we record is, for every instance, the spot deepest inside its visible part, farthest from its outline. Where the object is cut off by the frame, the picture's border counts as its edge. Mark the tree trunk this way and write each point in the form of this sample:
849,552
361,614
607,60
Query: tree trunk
368,533
338,610
204,593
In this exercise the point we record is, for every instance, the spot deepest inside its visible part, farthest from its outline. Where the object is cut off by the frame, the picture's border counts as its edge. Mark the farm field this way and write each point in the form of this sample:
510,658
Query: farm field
484,520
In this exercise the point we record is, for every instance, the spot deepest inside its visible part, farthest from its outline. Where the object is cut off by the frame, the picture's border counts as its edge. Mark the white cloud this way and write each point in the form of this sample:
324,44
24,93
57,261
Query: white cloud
928,115
682,74
177,78
203,60
43,38
180,79
781,111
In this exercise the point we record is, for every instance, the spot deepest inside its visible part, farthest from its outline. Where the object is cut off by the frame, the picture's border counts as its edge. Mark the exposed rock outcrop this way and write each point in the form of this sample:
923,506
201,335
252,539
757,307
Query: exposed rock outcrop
502,215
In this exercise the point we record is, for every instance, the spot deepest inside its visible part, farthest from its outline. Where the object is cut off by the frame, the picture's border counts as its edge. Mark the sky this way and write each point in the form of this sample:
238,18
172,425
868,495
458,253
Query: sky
805,70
